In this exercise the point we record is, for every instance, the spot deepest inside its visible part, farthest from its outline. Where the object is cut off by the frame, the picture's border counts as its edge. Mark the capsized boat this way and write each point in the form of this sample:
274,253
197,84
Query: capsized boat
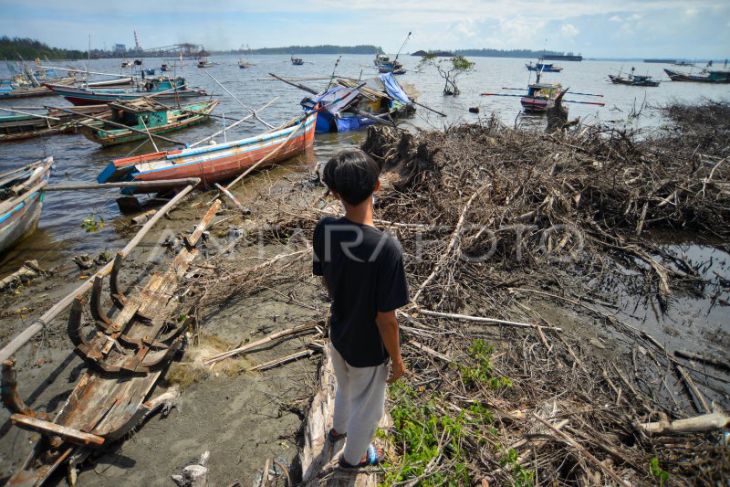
159,88
543,67
215,162
21,200
352,105
633,79
144,115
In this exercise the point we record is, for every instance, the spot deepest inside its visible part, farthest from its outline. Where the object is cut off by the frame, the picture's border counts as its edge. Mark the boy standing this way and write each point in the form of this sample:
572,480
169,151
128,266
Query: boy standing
363,271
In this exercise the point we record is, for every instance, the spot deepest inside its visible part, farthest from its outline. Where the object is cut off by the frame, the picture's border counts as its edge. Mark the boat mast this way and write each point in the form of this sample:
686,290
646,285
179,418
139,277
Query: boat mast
402,46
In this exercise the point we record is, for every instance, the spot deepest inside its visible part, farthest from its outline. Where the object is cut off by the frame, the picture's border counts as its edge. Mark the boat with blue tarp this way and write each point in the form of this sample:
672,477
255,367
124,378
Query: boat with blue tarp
349,104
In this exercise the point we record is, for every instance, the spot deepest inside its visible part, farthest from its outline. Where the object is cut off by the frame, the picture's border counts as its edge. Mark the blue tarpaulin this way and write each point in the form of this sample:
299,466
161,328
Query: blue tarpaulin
393,89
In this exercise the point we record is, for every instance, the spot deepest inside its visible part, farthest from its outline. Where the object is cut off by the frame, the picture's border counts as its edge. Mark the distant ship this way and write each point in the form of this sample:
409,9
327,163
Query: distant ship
563,57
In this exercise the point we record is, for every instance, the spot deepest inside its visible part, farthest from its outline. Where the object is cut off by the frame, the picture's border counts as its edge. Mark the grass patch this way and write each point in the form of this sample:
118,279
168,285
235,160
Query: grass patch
436,442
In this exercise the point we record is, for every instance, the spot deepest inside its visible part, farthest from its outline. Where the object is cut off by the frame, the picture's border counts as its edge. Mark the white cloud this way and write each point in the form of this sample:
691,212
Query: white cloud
569,31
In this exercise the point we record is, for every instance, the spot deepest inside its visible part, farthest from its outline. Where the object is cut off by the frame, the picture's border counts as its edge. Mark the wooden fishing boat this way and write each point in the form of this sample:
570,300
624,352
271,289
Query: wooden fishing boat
125,354
297,61
147,116
21,200
10,89
159,88
540,97
386,65
204,63
704,76
353,105
25,125
633,80
543,67
217,162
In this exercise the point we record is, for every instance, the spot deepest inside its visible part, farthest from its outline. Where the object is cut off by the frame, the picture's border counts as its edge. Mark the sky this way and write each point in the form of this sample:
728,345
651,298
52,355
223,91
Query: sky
595,28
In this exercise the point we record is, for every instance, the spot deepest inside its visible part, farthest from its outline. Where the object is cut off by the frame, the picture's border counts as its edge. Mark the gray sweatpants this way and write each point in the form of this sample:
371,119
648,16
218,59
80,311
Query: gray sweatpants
359,404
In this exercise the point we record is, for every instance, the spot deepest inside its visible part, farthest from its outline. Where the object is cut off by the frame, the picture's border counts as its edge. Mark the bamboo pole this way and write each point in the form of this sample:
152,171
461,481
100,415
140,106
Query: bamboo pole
38,324
306,327
240,102
233,124
167,183
29,114
483,319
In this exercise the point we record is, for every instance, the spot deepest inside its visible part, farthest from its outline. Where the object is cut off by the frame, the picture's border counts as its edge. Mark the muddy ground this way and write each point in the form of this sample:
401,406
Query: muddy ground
241,417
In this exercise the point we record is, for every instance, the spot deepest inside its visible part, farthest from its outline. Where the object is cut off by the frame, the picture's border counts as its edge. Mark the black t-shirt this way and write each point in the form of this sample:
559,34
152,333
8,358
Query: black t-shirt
363,269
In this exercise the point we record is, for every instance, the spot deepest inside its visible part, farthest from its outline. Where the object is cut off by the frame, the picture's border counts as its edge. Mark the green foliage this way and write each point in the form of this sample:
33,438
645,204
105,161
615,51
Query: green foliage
661,476
420,428
92,223
460,63
521,477
482,372
30,49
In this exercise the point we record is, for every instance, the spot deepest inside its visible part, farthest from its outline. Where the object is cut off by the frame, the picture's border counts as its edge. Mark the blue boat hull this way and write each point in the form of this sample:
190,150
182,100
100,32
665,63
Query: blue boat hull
326,122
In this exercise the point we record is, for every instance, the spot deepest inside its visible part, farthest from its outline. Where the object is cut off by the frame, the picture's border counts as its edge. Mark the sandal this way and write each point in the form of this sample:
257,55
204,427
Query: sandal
334,438
372,459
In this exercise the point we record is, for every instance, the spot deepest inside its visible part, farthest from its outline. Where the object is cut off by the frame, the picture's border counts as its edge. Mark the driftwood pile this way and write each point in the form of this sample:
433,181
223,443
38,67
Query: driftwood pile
498,225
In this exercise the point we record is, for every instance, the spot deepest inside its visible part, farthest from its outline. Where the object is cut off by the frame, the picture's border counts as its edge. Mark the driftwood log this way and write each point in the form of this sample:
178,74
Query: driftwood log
319,458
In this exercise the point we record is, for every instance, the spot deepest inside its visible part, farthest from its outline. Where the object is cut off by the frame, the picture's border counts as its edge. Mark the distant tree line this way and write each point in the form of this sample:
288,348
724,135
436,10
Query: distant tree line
323,49
30,49
505,53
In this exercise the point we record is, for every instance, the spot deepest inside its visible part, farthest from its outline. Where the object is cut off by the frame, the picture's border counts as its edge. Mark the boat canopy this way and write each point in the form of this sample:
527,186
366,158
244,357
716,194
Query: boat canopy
334,100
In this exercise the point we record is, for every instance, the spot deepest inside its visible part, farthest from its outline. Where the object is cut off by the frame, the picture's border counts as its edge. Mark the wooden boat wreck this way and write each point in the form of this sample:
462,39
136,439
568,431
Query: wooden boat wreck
22,124
21,200
217,162
633,80
161,88
144,116
125,354
352,105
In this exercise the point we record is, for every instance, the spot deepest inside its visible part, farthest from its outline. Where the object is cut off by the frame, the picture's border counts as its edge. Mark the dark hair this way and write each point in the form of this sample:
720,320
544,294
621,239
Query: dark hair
352,174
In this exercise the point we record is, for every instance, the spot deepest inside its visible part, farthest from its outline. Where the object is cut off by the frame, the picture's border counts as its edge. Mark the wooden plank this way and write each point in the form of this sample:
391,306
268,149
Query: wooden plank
319,458
46,427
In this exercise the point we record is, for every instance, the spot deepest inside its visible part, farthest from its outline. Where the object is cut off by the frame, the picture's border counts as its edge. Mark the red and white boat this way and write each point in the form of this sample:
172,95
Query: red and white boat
216,162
